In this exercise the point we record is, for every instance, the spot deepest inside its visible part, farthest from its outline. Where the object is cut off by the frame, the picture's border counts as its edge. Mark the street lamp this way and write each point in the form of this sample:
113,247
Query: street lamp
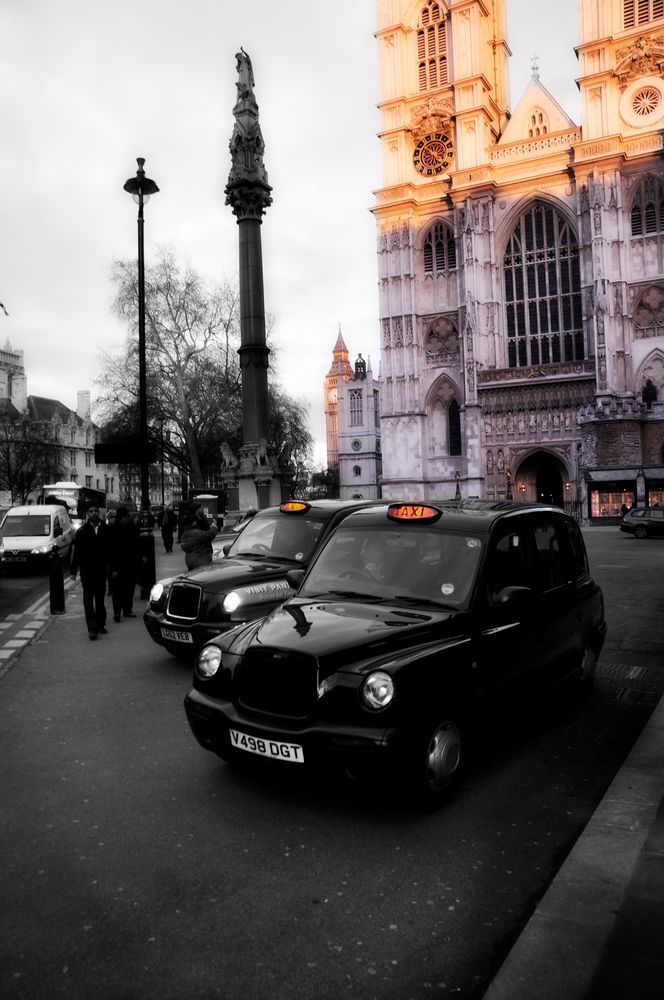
140,188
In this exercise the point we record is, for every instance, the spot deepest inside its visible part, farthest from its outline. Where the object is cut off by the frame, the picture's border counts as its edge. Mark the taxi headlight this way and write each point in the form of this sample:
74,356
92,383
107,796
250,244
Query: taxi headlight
378,690
156,592
232,602
208,662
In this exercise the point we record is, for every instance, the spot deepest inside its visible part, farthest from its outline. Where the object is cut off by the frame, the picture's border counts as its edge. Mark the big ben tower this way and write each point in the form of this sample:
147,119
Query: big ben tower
521,260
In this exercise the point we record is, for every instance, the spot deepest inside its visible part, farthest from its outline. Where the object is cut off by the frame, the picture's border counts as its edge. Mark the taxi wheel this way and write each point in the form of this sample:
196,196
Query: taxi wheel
435,764
588,671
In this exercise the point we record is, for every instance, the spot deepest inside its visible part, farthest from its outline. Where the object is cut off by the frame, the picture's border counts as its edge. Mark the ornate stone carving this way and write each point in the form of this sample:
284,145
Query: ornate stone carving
228,458
247,190
434,115
644,57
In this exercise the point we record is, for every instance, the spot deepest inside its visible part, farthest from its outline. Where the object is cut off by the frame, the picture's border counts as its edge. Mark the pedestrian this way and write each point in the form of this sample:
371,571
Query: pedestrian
90,559
124,562
168,524
196,538
110,521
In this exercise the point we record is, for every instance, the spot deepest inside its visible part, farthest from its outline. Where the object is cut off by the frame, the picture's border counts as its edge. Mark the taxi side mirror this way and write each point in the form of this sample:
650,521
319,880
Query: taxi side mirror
515,597
295,578
57,531
226,548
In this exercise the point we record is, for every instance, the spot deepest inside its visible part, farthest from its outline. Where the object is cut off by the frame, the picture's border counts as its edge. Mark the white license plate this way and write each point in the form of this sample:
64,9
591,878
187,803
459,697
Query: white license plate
274,749
169,633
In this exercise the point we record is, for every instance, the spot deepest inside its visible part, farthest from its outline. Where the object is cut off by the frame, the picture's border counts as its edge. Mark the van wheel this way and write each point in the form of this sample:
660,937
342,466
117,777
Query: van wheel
433,763
641,531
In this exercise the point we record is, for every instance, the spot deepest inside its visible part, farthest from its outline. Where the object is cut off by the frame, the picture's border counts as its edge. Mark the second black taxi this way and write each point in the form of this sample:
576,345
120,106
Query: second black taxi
248,581
413,624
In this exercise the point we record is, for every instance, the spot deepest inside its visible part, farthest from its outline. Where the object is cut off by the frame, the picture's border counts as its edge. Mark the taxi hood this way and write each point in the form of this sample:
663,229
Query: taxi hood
226,574
344,634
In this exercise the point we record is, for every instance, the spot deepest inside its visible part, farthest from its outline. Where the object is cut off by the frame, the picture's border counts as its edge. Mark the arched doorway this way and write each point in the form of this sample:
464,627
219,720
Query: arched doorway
541,477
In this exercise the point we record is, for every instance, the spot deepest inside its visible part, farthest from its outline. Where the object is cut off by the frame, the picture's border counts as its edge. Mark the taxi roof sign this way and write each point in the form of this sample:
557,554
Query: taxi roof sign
413,512
293,507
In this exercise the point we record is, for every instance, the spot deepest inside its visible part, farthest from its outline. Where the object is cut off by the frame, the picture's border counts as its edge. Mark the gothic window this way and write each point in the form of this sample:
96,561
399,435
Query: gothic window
357,471
439,250
542,290
649,393
355,398
454,427
432,47
648,207
649,310
538,124
637,12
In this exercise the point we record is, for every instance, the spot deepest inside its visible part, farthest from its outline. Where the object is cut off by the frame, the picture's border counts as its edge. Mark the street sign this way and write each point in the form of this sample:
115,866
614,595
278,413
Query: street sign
126,452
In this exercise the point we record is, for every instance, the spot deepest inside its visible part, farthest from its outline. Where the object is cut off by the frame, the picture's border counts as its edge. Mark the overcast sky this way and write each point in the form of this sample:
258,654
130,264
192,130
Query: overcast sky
86,86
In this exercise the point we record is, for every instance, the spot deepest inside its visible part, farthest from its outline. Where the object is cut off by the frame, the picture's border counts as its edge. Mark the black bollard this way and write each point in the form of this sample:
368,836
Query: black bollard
147,572
56,584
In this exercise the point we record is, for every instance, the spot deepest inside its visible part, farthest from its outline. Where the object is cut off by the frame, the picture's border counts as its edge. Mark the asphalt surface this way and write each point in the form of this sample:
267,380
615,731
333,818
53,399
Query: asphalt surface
597,933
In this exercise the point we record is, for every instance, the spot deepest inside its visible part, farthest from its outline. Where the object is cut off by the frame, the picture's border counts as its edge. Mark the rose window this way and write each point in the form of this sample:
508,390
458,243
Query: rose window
645,101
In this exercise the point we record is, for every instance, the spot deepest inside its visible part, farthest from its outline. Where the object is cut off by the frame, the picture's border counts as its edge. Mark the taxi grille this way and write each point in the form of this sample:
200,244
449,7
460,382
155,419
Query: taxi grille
275,683
184,601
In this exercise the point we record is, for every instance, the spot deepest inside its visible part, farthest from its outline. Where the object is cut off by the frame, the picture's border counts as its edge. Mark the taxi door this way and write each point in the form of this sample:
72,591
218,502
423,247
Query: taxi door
510,636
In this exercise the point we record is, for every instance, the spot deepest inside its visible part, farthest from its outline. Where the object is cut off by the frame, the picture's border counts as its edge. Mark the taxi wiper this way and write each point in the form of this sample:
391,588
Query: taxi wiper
358,594
428,602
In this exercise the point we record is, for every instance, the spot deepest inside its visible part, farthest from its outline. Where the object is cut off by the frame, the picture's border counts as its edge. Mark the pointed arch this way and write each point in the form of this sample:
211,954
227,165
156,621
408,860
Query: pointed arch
646,209
431,38
439,248
649,379
443,407
542,287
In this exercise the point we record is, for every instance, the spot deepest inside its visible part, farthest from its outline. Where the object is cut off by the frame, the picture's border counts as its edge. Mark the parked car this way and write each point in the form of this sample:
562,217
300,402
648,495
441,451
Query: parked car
249,579
644,522
31,534
413,625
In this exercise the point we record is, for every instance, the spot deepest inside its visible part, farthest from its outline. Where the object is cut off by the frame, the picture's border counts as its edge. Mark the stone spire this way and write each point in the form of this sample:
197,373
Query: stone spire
247,191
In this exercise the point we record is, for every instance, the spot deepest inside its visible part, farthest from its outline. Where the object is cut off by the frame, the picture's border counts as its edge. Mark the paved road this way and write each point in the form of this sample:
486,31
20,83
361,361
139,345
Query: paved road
139,866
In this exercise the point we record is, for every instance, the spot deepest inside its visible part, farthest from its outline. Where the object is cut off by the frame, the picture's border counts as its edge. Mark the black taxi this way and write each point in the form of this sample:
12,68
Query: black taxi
249,579
414,623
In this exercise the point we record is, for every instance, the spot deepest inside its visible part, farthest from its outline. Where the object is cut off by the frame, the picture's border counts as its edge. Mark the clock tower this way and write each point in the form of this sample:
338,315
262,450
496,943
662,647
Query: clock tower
340,371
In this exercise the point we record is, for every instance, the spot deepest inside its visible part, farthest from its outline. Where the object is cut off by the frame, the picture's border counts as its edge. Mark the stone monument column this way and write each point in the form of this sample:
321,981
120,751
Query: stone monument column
256,479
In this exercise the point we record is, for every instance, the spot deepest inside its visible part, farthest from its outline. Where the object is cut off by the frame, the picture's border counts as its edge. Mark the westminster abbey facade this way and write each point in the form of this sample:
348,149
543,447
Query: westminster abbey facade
521,261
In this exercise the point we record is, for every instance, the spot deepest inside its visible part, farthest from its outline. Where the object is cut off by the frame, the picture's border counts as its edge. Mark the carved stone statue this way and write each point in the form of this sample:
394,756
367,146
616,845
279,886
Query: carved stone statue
228,459
245,72
262,457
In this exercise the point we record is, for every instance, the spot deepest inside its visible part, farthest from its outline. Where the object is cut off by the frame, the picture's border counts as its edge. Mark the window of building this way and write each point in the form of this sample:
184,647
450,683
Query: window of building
88,459
88,481
376,397
538,124
72,458
72,436
647,214
357,471
637,12
542,290
439,249
432,47
355,400
454,427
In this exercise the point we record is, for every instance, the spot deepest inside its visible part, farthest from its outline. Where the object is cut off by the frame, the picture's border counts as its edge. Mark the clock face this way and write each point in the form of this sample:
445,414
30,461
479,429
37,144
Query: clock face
332,395
433,153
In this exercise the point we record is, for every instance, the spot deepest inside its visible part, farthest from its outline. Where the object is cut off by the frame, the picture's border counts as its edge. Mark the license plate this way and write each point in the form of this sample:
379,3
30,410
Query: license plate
274,749
15,558
169,633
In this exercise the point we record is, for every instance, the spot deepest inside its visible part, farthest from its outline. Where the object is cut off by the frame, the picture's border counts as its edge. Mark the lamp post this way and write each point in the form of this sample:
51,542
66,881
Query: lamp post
140,188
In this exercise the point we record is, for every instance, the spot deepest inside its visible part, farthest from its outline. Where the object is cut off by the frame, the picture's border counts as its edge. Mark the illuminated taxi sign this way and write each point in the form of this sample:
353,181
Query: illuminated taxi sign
293,507
413,512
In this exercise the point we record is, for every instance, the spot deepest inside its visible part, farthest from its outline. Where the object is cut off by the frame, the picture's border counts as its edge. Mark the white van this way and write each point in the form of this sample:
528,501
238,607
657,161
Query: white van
29,535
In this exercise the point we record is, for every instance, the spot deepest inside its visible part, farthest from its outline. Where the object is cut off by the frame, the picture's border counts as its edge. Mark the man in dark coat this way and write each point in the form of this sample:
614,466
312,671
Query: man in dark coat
124,562
90,558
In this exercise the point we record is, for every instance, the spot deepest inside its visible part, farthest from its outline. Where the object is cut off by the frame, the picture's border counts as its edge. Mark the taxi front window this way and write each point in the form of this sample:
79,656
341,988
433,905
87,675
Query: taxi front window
390,562
24,525
279,536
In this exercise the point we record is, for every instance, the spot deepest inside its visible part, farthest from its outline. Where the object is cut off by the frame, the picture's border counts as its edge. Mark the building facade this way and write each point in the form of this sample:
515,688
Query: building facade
521,260
352,420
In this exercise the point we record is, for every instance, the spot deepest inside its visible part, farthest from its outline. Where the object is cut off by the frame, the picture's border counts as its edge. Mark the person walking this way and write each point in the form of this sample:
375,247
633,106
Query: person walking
196,538
124,563
90,559
168,523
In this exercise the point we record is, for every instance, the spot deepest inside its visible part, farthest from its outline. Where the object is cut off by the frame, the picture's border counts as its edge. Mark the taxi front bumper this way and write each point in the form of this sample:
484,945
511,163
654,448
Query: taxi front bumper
189,637
354,748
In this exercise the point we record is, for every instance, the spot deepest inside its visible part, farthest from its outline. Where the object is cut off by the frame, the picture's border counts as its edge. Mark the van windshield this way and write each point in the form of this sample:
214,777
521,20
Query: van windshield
22,525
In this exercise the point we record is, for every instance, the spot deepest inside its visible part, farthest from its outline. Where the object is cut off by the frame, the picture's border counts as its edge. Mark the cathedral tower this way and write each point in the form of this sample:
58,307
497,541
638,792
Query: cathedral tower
521,260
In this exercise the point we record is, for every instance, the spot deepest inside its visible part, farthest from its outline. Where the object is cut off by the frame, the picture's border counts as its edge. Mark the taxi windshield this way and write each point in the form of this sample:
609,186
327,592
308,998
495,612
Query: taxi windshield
422,563
279,536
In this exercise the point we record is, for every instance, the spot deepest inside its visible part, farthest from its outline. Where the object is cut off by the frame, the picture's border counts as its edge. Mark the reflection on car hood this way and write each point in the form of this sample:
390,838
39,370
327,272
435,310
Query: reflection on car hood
222,576
341,633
